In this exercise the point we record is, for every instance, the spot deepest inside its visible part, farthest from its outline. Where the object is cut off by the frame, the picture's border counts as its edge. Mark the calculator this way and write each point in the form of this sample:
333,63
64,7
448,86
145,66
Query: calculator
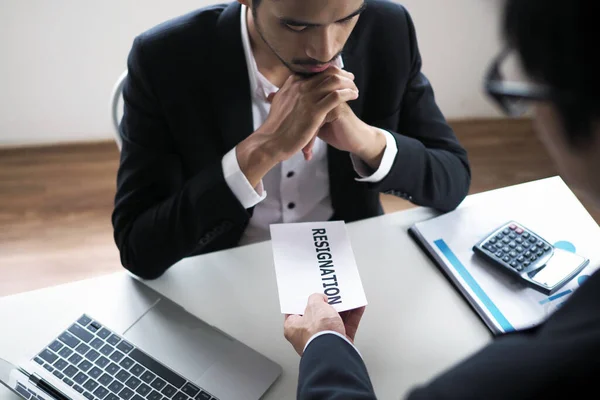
528,257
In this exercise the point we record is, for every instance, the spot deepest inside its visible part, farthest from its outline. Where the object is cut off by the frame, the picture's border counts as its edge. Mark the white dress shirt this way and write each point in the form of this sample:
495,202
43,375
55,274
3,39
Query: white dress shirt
298,190
316,335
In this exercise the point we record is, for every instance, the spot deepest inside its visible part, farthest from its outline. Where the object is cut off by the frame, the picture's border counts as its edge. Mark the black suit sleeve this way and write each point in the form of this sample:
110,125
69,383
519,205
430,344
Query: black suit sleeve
431,168
331,368
160,218
555,360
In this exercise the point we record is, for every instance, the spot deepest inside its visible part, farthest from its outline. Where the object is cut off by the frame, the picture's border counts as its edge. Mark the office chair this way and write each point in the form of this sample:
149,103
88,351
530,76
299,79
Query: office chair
116,108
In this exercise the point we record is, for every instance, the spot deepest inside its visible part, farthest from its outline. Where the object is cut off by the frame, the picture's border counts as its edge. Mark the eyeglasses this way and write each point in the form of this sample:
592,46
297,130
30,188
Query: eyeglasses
513,95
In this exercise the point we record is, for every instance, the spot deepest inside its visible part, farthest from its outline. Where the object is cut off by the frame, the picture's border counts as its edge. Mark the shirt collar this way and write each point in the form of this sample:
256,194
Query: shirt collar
260,87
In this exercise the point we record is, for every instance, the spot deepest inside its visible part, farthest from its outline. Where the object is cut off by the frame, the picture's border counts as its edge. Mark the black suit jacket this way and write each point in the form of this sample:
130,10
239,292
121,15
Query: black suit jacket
560,359
187,103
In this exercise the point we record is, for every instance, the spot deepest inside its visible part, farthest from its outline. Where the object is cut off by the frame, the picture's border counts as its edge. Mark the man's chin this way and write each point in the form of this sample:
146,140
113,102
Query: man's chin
305,74
300,71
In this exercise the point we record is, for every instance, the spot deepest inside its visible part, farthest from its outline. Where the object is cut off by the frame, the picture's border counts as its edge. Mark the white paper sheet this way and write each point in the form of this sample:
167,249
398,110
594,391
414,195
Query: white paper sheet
315,257
507,304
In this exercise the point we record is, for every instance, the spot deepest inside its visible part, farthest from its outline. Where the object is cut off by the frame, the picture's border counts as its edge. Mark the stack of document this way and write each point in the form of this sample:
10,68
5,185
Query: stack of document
504,303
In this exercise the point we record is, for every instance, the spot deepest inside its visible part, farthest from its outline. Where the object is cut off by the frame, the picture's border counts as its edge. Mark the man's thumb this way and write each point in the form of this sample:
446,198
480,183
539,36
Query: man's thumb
317,298
292,320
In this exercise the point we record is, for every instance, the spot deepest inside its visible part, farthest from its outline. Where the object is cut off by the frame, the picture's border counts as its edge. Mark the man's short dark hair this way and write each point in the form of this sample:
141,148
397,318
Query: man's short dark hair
558,41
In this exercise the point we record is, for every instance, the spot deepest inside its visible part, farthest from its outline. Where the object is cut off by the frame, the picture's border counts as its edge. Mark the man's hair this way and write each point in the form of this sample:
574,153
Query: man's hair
557,41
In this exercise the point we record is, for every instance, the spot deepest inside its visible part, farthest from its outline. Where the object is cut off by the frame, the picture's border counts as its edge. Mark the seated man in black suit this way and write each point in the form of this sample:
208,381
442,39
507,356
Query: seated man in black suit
560,358
211,156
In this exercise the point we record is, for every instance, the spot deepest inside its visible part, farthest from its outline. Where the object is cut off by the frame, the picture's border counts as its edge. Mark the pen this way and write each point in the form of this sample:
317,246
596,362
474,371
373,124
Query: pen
45,386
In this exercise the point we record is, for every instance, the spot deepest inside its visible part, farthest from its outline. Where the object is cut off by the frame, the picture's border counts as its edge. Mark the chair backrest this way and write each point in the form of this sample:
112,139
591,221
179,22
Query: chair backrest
116,107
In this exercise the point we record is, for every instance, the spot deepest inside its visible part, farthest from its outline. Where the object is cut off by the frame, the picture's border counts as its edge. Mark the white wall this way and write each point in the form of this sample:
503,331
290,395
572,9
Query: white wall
59,60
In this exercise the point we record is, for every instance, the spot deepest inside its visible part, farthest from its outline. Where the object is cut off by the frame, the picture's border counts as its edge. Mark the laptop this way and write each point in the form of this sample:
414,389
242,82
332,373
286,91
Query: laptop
153,350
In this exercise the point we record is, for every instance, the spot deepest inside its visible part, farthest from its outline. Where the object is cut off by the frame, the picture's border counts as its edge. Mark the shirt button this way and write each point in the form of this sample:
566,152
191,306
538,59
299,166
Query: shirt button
290,174
291,206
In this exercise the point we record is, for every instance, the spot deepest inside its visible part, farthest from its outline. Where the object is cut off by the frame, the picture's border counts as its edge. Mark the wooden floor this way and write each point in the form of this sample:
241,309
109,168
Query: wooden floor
55,202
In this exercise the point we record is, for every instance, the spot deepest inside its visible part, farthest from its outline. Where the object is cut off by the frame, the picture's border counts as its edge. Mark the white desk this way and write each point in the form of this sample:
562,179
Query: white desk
415,326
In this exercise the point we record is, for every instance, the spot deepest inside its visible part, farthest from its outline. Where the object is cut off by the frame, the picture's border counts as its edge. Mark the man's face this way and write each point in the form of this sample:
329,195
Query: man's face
306,35
579,167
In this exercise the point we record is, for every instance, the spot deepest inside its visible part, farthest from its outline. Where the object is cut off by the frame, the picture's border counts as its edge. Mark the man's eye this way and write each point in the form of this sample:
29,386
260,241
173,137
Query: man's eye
296,28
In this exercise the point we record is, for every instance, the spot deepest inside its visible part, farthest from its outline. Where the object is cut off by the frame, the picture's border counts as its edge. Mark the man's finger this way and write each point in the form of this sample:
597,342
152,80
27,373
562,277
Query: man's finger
352,320
334,99
344,316
295,78
337,70
333,115
334,82
316,80
317,298
291,320
348,74
341,73
307,150
308,155
291,326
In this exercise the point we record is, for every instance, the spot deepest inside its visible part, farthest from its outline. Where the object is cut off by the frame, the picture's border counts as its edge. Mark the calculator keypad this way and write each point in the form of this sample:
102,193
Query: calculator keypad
516,247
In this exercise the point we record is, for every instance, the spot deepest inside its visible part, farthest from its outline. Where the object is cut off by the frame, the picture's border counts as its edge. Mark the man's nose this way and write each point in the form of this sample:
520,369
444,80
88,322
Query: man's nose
322,46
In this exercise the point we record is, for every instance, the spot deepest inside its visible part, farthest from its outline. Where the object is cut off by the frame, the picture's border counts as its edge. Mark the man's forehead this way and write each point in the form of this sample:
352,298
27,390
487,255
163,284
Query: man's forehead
314,11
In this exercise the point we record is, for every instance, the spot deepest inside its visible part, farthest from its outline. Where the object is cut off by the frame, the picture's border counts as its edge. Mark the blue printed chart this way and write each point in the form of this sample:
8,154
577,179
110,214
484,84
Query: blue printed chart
506,304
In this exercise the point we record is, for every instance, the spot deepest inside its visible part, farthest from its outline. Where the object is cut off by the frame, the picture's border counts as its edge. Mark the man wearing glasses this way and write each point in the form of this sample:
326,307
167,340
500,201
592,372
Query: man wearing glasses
553,41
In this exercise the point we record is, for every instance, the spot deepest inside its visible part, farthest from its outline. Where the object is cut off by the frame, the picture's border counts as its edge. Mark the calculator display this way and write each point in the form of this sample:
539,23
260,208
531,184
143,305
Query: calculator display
559,267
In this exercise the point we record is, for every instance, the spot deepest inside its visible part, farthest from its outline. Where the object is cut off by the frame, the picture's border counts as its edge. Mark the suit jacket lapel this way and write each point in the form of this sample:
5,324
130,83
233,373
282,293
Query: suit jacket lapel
341,171
231,82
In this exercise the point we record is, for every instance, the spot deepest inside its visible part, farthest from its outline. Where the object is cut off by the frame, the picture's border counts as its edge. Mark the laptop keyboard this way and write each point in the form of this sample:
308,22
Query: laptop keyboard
100,364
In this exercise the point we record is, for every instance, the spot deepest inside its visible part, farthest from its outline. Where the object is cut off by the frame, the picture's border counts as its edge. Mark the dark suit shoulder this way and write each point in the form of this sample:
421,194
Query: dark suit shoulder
554,361
385,34
385,15
579,313
205,17
177,49
384,8
179,31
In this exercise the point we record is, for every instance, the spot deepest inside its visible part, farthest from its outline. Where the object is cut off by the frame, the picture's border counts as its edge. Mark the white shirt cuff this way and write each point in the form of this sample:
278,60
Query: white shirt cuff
316,335
238,183
387,161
